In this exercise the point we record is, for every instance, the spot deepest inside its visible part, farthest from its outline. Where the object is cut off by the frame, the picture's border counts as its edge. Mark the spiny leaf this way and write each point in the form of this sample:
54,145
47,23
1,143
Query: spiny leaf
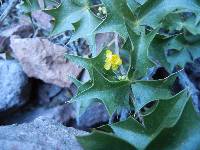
180,21
140,61
164,118
117,12
29,6
186,50
114,94
82,105
153,11
101,140
174,51
157,52
92,63
75,81
151,91
165,115
133,5
74,15
184,135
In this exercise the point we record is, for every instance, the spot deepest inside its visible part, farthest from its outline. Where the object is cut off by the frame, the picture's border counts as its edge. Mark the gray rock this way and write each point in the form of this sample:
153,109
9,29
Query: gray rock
193,72
62,97
20,30
43,20
41,134
14,85
45,92
61,113
95,115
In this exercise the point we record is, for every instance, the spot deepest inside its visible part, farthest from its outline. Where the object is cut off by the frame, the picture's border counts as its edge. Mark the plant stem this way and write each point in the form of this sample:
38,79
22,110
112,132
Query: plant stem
116,40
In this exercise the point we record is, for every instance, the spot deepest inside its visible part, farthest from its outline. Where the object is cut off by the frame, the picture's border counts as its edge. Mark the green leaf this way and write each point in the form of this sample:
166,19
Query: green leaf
179,58
75,81
153,11
29,6
103,141
131,132
184,135
169,52
174,51
158,53
114,94
140,62
117,12
165,115
74,15
82,105
92,63
152,90
179,21
133,5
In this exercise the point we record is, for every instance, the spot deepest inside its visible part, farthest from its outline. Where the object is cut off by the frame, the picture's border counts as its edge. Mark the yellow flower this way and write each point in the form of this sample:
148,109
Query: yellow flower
112,61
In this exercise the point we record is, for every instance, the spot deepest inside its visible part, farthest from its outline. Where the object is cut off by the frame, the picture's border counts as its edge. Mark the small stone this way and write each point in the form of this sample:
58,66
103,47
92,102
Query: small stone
14,85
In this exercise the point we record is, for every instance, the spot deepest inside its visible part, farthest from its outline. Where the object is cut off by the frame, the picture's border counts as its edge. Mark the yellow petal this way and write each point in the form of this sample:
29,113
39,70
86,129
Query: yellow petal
116,60
107,66
108,60
108,53
115,67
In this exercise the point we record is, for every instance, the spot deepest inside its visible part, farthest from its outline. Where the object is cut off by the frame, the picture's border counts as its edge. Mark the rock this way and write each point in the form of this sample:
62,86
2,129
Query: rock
14,85
193,71
103,39
44,60
18,29
61,113
45,92
2,56
94,116
63,96
40,134
43,20
85,76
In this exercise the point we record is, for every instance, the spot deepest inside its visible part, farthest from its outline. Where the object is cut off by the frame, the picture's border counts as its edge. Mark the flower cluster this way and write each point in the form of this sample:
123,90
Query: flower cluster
112,61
